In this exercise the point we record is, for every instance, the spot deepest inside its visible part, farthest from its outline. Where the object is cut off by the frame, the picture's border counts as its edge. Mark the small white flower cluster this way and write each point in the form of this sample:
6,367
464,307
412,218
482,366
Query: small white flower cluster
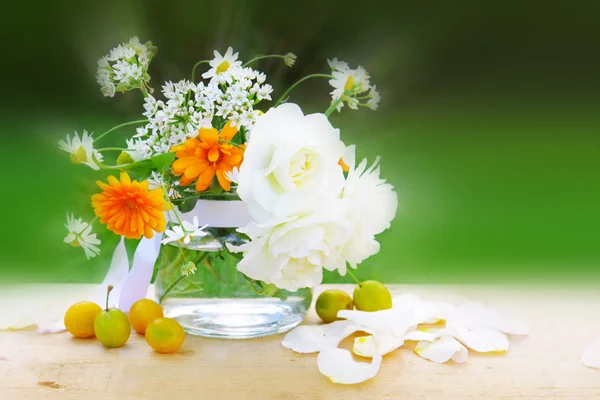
349,83
230,94
81,149
125,68
80,235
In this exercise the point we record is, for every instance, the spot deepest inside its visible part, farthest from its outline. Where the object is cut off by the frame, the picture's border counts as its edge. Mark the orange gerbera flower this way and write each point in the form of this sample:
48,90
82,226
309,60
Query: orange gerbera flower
210,154
129,208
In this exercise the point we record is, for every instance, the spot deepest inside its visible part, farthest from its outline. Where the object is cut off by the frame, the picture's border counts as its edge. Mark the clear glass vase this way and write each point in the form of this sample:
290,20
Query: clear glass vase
216,300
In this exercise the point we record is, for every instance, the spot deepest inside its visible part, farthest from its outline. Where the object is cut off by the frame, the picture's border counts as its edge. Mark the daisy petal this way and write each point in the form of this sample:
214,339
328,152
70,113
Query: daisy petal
591,356
339,367
315,338
442,350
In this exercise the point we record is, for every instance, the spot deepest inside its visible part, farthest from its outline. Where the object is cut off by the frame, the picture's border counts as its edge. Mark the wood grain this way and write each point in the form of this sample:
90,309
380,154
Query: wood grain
545,364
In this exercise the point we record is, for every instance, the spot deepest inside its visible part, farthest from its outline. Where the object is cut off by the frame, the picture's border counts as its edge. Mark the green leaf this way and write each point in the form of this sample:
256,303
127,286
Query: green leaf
163,161
188,204
130,246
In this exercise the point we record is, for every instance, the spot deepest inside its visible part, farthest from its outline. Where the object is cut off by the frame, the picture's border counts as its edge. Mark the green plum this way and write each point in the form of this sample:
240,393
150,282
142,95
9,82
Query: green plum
330,302
372,296
111,326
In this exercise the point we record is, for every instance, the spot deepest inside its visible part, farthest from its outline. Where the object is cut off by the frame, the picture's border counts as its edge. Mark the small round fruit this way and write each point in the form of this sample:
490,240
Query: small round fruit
330,302
142,312
165,335
112,328
372,296
79,319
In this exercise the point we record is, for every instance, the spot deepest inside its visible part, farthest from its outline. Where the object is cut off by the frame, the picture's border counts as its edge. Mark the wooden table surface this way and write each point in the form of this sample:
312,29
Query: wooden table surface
563,321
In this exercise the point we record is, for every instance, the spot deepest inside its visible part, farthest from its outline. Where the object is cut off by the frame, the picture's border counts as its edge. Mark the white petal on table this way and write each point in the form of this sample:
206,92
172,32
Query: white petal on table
475,316
481,341
315,338
339,367
378,343
442,350
422,335
591,355
397,320
425,311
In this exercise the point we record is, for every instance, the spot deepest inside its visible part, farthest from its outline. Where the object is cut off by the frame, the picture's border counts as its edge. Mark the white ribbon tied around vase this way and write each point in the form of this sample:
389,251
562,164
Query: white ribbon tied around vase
214,213
132,285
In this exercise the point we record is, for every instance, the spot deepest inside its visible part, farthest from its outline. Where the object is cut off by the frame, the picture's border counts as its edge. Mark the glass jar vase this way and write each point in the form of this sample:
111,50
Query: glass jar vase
199,285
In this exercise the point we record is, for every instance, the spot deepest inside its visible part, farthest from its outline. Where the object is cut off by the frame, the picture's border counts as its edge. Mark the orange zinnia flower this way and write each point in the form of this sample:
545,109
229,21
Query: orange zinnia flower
129,208
206,156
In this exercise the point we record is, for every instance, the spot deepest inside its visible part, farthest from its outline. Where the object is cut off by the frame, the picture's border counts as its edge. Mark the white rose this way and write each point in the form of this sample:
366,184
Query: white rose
291,251
373,205
289,152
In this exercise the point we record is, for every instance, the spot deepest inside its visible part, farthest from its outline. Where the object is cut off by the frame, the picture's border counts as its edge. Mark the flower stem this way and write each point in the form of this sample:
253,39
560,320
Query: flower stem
354,277
174,284
299,82
332,107
262,57
111,149
120,126
195,67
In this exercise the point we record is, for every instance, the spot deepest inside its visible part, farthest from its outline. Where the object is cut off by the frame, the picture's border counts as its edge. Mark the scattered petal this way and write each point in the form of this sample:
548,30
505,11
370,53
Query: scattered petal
442,350
421,335
379,343
482,341
591,356
315,338
396,321
425,312
339,367
475,316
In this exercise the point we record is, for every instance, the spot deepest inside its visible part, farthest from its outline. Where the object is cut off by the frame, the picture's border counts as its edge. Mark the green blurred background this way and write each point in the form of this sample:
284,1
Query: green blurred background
489,123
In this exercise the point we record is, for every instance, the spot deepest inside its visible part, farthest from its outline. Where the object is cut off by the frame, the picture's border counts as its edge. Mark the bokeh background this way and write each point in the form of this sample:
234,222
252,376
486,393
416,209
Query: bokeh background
489,124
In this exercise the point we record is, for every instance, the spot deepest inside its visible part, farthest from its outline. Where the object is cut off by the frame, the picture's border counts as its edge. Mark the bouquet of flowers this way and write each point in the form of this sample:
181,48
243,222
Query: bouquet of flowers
312,205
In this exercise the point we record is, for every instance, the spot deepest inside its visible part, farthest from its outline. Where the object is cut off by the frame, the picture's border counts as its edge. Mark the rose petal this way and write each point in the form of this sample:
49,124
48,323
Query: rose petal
339,367
379,343
481,341
421,335
425,312
397,321
591,356
474,316
315,338
442,350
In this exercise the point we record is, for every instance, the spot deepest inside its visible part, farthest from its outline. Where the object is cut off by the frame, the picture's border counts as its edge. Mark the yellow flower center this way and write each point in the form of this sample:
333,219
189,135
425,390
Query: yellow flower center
349,83
75,242
224,66
80,156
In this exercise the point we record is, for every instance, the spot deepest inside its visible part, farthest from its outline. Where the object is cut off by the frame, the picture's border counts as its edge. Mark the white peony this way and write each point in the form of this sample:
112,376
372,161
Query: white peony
373,205
289,152
291,250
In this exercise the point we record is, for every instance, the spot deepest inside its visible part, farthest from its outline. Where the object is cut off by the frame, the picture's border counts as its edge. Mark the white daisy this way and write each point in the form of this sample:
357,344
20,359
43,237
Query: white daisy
81,149
185,233
348,84
80,235
222,63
